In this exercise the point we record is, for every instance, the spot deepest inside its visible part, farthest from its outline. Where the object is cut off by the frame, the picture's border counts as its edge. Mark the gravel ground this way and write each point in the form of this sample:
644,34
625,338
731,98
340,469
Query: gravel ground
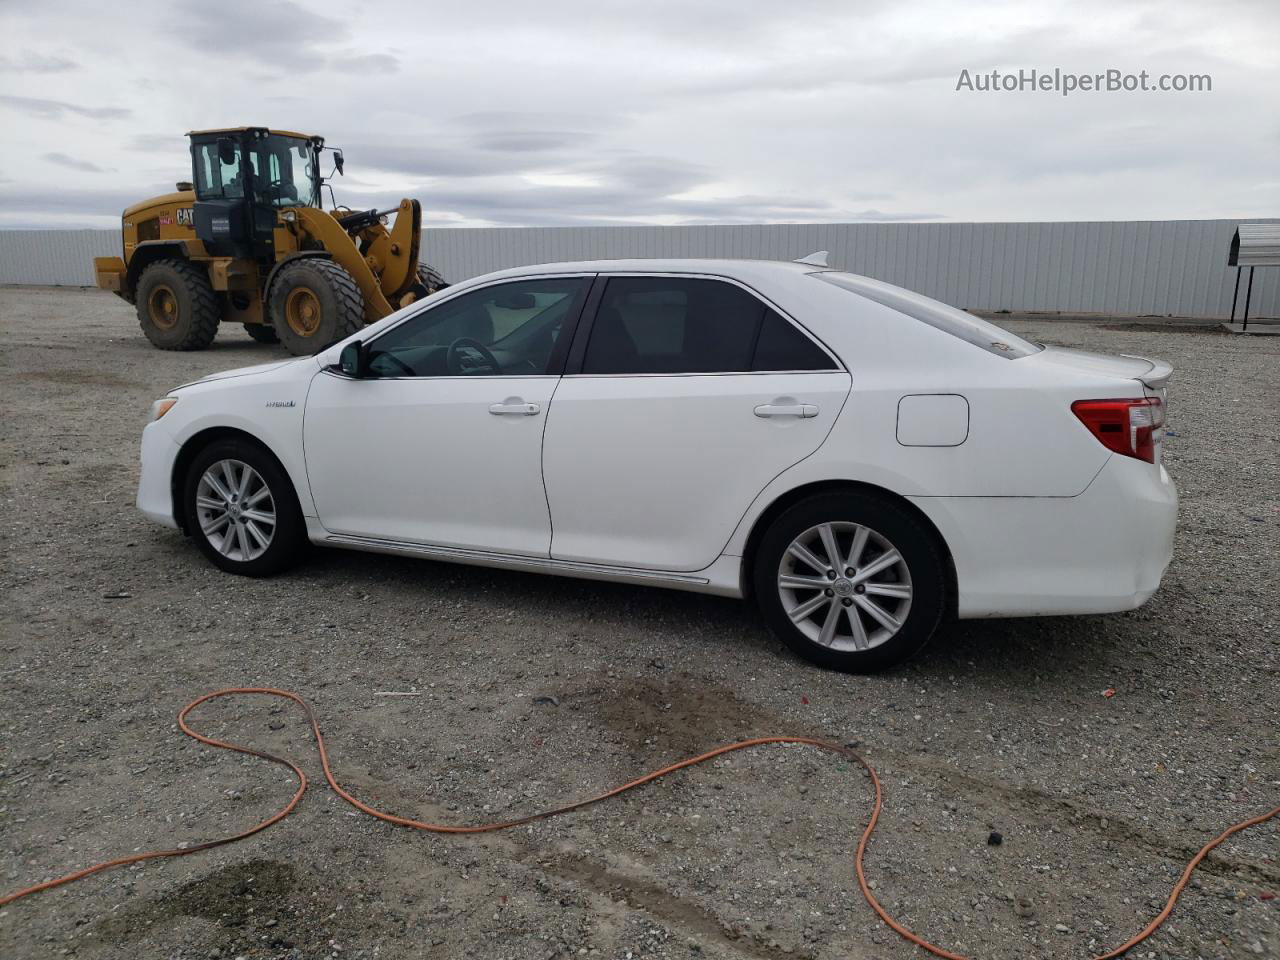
110,624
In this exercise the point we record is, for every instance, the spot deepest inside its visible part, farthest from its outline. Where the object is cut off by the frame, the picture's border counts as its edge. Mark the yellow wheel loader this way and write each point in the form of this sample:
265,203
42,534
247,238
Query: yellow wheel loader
247,241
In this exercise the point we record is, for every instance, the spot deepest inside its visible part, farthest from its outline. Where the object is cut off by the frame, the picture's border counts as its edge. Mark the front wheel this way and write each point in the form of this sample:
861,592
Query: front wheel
852,582
241,509
313,303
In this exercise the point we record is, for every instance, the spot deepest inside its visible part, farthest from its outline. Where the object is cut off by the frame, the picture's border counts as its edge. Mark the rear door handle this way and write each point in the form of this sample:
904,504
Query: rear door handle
514,407
804,410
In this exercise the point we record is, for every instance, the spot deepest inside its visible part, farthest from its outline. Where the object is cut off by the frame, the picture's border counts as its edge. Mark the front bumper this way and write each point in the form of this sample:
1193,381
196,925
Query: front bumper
155,485
1100,552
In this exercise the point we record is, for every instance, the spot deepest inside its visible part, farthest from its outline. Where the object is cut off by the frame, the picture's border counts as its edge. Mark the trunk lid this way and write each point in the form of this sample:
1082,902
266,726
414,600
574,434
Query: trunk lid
1152,373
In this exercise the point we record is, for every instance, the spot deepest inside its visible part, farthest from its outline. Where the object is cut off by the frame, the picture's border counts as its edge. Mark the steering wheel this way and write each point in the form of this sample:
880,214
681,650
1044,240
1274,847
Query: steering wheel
453,357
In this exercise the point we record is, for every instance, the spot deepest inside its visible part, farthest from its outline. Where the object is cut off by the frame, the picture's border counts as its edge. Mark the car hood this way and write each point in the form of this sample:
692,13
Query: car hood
254,370
1153,373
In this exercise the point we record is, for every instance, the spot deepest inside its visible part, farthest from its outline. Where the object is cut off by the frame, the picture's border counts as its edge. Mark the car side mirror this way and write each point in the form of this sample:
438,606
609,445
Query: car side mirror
353,361
337,161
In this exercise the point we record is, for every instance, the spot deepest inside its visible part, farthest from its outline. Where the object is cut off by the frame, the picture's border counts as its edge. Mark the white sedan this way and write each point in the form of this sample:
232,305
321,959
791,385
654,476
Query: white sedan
861,460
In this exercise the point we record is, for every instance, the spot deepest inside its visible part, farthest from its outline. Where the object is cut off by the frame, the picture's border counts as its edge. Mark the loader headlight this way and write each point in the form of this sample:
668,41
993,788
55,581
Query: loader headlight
161,407
288,216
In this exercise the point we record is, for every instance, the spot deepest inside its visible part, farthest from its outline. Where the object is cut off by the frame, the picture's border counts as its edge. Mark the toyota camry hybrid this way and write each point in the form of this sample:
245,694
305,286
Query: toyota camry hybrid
860,460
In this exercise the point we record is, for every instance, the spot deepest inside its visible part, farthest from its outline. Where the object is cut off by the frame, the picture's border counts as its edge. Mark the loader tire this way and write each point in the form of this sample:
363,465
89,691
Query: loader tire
262,332
177,308
430,278
314,302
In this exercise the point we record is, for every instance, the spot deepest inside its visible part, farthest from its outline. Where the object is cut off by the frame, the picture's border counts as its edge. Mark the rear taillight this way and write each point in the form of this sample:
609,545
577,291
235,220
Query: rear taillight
1130,427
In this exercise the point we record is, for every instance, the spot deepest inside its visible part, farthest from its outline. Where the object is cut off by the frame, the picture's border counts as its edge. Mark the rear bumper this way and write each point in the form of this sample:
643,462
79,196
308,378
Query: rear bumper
1100,552
155,489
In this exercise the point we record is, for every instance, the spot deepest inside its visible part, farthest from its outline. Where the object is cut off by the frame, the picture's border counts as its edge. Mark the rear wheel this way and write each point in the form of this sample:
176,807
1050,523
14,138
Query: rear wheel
313,303
177,308
262,332
241,509
850,581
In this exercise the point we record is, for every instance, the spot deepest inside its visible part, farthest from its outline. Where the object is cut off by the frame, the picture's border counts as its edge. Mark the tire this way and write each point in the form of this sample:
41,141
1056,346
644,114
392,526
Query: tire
177,308
430,278
203,502
262,332
314,302
911,592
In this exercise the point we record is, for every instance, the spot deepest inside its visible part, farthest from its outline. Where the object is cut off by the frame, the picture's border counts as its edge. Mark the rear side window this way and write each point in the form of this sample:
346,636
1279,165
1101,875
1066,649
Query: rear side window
677,325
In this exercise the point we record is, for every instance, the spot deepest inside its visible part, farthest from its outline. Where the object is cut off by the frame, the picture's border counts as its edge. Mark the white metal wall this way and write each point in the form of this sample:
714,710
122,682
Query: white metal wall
54,257
1169,267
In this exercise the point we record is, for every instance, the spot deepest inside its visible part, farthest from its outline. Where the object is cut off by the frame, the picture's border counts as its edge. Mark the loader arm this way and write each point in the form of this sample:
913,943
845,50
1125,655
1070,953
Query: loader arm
321,227
394,253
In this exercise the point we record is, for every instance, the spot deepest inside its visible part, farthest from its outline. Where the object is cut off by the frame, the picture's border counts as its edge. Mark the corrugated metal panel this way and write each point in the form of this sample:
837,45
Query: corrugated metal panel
1255,245
1173,267
1164,268
54,257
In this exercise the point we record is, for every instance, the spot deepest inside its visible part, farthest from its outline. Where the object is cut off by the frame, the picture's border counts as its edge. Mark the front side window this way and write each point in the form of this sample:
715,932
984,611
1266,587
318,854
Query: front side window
657,325
509,329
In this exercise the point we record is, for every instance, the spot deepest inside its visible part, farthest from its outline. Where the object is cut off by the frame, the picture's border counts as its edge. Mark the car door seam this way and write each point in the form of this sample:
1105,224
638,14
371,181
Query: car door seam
542,466
822,443
306,466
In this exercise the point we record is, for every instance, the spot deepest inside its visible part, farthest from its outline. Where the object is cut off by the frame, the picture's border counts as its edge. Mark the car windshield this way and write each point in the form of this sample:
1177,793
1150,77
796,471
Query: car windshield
939,315
284,171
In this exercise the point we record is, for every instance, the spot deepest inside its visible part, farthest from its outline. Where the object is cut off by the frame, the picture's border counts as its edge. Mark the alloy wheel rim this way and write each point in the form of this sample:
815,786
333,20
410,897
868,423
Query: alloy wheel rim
302,311
845,586
162,305
235,510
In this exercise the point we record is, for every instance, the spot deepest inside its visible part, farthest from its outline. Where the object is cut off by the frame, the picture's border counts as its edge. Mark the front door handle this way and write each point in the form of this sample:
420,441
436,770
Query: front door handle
514,407
804,410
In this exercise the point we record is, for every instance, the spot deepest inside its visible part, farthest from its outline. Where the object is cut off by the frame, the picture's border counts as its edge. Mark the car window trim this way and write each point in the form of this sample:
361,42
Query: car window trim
559,354
587,320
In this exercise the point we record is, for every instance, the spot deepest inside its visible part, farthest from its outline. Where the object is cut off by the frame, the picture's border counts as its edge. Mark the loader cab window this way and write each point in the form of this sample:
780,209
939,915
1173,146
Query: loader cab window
284,172
216,179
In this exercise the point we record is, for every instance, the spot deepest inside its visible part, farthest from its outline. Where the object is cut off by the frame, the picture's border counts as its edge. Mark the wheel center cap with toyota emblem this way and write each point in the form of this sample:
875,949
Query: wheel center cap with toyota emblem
843,587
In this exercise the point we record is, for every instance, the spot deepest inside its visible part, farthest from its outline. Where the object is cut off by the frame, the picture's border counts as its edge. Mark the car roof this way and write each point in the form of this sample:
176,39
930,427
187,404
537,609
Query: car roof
741,269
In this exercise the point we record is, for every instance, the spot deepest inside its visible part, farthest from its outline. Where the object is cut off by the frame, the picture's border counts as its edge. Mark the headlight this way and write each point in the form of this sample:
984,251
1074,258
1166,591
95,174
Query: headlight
161,407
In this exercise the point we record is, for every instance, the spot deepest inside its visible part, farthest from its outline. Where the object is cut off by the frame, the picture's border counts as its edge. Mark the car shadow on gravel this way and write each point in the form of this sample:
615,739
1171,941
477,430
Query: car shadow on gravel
554,600
1025,651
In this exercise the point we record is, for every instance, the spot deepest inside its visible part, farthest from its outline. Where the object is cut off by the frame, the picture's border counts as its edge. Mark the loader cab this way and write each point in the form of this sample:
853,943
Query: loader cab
243,177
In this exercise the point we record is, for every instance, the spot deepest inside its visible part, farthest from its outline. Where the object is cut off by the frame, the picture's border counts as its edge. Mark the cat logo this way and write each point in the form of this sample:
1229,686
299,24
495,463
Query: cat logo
184,216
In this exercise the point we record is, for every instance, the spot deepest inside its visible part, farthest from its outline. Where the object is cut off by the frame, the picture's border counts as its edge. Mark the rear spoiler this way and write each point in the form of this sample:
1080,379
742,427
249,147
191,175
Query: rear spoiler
1158,376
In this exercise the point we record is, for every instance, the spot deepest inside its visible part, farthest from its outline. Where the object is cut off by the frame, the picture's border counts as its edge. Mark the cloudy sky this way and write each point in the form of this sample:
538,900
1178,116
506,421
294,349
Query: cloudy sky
653,111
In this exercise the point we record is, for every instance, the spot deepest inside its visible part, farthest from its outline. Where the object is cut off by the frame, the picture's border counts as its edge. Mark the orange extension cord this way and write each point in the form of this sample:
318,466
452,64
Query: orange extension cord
648,777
